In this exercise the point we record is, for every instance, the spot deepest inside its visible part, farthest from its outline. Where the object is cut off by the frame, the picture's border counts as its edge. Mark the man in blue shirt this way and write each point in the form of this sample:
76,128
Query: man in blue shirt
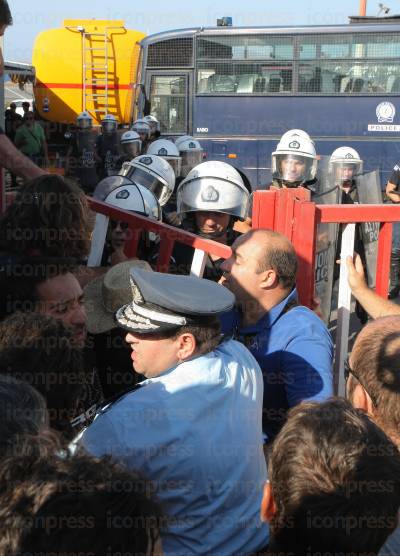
290,342
194,426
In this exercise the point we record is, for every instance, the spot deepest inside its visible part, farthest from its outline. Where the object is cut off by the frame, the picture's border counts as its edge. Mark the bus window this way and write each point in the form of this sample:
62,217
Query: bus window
168,102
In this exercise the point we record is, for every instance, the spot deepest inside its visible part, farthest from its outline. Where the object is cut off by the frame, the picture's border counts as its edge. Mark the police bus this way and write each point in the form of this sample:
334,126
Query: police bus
237,90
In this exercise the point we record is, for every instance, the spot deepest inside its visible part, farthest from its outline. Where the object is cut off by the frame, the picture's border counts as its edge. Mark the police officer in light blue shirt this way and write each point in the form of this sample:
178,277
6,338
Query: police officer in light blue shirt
290,342
193,426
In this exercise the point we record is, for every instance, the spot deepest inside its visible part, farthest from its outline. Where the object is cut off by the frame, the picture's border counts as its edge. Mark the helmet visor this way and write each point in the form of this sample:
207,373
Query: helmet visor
132,149
293,169
109,127
143,130
190,159
84,123
175,162
151,182
345,172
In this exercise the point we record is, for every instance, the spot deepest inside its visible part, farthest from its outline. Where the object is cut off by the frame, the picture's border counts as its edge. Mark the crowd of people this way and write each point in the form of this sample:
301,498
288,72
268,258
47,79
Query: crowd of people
149,413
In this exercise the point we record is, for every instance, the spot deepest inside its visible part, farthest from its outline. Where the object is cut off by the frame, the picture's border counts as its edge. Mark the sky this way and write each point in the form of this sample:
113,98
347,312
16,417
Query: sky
150,16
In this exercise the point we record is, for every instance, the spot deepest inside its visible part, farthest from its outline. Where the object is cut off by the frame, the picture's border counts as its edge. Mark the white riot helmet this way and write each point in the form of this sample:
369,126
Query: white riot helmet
84,120
109,123
181,139
123,193
215,187
191,153
152,172
131,143
300,132
142,128
345,163
153,122
167,150
294,162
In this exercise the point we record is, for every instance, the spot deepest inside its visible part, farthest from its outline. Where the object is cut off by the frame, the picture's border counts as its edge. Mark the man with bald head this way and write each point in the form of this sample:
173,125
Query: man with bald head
373,385
291,343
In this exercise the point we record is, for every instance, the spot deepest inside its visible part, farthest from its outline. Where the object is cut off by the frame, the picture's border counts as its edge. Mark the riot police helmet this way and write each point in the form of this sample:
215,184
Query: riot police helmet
153,122
213,186
109,123
169,152
152,172
191,153
84,120
142,128
131,143
345,163
294,162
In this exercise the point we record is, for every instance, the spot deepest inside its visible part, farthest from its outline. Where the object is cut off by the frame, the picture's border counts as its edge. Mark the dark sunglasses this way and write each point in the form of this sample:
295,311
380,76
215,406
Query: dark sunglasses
123,225
349,371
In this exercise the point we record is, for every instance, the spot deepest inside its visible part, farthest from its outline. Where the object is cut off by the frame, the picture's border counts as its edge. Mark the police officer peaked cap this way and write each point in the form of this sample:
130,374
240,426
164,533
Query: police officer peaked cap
163,302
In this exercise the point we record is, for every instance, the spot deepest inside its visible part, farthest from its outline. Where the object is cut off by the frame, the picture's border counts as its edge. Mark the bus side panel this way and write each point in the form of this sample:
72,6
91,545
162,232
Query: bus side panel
228,125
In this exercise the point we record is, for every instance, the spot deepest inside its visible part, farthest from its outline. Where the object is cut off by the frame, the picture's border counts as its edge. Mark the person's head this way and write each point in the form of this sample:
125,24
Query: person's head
334,483
46,288
262,266
213,194
13,106
23,416
40,350
26,107
152,354
212,224
344,164
84,121
373,374
109,124
77,505
131,144
29,118
143,129
171,319
294,162
49,217
5,21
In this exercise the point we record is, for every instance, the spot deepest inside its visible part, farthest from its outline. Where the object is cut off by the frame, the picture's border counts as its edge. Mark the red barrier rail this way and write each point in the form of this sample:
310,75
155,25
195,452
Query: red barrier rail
291,212
168,234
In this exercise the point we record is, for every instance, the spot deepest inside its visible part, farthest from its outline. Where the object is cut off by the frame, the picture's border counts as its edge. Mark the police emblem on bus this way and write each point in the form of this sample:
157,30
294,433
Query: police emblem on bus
385,112
210,195
294,145
146,160
124,194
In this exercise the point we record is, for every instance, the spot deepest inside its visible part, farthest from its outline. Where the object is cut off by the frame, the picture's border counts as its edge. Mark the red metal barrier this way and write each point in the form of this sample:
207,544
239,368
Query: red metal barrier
168,234
290,212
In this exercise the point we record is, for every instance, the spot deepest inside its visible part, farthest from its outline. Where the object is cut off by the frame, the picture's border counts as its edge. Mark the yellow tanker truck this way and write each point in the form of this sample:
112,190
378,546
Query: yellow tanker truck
86,65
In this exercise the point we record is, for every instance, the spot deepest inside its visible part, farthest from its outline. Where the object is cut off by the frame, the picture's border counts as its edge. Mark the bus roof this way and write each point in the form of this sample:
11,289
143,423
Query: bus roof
278,30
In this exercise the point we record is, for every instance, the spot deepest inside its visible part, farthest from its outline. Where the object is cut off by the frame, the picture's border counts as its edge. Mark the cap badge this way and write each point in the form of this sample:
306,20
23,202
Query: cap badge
124,194
294,145
349,155
192,145
146,160
163,152
210,195
137,296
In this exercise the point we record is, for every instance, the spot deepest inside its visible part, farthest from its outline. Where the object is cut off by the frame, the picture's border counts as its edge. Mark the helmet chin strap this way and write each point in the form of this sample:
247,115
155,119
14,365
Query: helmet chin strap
292,184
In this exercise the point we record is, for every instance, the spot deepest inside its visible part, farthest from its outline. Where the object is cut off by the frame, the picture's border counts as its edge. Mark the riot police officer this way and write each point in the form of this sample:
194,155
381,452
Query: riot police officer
143,129
131,146
345,163
107,146
169,152
154,126
210,199
81,154
294,162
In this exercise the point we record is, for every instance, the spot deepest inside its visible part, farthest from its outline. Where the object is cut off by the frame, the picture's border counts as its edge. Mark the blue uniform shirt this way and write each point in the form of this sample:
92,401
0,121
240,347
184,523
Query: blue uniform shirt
295,352
196,432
